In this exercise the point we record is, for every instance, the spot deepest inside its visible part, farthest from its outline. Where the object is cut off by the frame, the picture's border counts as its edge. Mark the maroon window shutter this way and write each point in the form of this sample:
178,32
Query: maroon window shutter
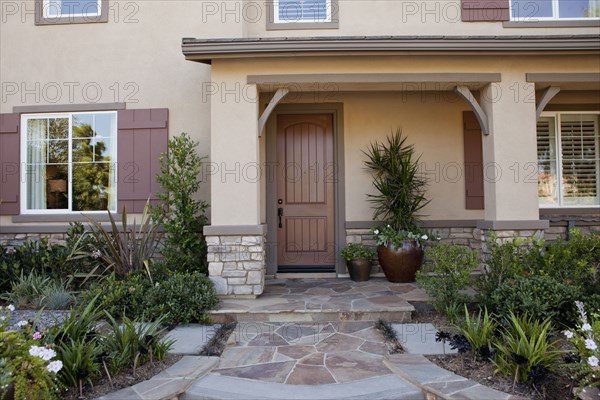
473,162
10,145
485,10
142,137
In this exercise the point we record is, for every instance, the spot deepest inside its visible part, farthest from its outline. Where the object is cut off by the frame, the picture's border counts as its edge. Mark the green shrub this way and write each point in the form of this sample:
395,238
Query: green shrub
525,351
540,296
445,274
26,292
79,325
480,332
181,214
120,296
183,298
355,251
57,295
79,362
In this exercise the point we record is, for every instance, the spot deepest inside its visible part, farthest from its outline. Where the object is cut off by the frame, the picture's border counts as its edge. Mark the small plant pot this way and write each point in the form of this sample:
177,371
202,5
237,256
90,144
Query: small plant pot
359,269
400,264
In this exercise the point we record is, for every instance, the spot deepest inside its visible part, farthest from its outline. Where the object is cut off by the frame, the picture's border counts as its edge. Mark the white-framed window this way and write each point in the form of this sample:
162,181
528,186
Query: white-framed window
295,11
568,145
535,10
69,162
72,8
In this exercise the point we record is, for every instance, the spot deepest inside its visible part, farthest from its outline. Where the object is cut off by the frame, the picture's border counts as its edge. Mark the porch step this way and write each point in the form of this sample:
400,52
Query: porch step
318,300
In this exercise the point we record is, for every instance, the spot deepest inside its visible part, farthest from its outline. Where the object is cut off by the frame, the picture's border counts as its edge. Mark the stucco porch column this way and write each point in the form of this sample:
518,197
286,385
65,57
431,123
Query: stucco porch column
235,238
510,158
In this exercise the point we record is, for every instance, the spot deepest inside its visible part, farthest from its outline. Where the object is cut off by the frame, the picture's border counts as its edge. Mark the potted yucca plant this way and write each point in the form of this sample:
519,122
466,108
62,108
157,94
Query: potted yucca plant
399,199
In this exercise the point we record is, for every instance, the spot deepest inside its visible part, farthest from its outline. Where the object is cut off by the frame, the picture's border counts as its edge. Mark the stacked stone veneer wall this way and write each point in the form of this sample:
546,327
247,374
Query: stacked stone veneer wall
236,264
17,239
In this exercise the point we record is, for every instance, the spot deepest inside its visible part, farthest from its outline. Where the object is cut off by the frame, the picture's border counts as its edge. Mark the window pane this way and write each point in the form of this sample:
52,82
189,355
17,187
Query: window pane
83,150
531,9
303,11
58,128
106,125
83,125
103,150
47,187
58,151
37,152
580,159
91,187
546,148
63,8
37,129
579,8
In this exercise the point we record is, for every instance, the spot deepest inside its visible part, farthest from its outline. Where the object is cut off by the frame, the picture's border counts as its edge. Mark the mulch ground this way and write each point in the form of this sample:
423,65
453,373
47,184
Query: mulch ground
123,380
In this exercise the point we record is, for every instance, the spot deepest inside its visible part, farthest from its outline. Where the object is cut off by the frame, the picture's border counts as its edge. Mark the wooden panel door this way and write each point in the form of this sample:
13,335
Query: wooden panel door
305,232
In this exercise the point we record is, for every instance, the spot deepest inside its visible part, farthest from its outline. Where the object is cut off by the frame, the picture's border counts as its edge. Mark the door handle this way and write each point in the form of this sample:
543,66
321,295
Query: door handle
280,214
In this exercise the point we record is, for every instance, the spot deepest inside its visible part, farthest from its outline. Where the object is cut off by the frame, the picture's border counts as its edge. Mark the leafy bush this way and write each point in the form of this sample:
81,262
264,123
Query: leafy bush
120,297
525,351
480,333
183,298
79,325
181,215
355,251
446,273
57,295
79,365
540,296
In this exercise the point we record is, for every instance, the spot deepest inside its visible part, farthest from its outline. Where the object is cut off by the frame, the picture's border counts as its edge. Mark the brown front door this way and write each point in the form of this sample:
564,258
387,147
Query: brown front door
305,236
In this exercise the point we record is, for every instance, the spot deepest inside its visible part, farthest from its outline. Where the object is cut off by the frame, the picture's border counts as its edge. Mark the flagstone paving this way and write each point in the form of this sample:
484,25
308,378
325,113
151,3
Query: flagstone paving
324,300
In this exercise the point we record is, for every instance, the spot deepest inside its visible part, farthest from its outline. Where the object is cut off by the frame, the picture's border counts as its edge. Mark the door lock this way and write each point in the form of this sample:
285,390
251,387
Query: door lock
280,214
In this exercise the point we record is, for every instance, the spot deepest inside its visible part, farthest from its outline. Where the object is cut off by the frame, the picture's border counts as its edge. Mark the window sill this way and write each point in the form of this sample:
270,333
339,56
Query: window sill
75,217
288,26
594,23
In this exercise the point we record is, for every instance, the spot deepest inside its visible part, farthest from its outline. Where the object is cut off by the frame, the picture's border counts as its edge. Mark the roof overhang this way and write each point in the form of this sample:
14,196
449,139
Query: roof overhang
206,50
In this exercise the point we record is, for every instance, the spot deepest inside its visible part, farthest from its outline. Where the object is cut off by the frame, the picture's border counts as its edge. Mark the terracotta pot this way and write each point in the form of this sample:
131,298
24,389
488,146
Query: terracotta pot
400,264
359,269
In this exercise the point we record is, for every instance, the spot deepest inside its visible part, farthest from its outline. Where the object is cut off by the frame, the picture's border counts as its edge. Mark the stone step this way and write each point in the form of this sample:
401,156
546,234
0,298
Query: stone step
219,387
398,314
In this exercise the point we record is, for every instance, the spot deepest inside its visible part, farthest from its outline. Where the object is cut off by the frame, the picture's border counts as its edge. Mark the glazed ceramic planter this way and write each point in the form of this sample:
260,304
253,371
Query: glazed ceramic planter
359,269
400,264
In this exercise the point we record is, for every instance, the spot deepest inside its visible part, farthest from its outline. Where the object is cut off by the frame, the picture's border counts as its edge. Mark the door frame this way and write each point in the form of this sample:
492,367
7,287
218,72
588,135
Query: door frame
339,193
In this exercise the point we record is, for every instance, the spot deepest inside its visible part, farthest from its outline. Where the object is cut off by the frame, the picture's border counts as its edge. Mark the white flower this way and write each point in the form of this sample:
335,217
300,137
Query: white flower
10,307
424,237
389,226
2,317
55,366
590,344
96,254
586,327
593,361
376,231
42,352
22,323
569,334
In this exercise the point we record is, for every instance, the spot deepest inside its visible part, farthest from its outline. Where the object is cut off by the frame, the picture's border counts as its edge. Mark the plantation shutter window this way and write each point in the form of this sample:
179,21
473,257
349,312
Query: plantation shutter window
571,141
9,164
142,138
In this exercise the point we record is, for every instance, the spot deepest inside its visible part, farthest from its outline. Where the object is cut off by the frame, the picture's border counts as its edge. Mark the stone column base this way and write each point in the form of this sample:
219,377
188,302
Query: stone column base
236,260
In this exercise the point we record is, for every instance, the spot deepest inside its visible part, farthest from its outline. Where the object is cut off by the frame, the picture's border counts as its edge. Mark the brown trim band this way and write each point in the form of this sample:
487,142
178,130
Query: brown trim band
43,218
375,78
48,108
205,50
563,77
572,107
594,211
513,225
234,230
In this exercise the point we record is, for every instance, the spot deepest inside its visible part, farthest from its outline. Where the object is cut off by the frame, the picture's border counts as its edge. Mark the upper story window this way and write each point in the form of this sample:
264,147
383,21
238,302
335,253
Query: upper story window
303,14
50,12
69,162
568,159
554,9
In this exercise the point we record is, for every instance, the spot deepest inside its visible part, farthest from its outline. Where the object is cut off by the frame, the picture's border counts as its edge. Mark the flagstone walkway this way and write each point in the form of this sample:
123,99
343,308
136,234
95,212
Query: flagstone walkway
307,300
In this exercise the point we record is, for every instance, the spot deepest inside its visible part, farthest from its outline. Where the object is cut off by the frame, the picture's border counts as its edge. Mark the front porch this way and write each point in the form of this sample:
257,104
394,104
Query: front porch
319,300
